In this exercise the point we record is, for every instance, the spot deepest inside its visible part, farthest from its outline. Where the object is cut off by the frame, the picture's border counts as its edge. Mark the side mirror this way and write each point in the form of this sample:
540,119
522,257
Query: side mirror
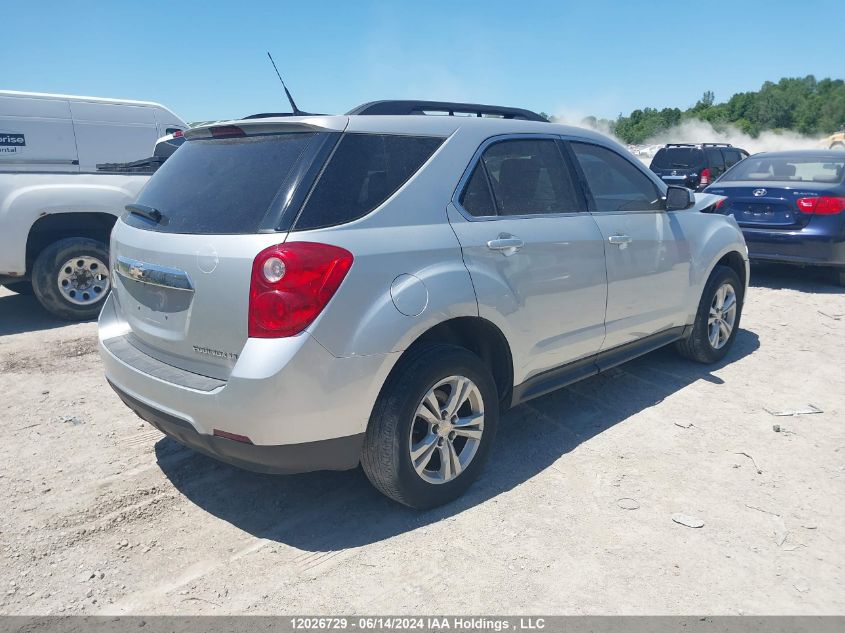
679,198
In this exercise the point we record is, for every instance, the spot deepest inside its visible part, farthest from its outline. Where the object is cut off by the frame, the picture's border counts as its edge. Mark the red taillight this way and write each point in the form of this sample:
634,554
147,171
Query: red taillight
178,133
705,176
223,131
822,205
719,204
291,284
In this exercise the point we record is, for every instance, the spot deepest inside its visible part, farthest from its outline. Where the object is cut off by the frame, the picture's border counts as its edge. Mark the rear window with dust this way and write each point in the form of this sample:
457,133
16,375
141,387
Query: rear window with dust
678,158
220,186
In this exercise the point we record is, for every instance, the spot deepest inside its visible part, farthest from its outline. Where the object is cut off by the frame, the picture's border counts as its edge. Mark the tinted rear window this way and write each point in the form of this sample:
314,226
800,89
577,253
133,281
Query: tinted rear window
678,157
364,171
820,169
732,157
220,186
476,198
715,158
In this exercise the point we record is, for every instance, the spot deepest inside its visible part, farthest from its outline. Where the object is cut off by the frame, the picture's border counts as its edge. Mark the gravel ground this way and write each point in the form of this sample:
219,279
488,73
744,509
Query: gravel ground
104,515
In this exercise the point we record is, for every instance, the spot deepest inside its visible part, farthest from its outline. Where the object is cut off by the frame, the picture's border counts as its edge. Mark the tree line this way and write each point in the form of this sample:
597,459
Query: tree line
806,105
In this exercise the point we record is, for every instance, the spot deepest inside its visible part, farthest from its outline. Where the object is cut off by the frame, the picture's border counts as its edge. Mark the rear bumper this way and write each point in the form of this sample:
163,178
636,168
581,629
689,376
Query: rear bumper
341,453
805,246
301,407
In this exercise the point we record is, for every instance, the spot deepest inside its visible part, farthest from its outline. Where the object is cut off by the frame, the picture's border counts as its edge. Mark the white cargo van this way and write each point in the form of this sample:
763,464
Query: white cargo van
57,207
45,132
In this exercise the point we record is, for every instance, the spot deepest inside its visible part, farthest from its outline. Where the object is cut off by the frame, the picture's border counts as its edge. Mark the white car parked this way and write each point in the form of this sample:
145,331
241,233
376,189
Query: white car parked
57,207
374,288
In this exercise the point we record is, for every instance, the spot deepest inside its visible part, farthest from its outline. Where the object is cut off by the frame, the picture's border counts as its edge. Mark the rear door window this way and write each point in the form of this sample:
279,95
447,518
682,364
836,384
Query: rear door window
223,186
530,177
732,157
715,159
614,183
477,198
364,171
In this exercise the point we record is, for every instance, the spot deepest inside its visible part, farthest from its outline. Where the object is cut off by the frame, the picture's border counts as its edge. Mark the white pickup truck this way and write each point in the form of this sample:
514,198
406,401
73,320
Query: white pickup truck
63,183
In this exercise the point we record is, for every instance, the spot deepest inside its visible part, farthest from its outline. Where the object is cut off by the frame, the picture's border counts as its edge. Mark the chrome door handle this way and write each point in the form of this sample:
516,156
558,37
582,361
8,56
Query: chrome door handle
506,243
619,239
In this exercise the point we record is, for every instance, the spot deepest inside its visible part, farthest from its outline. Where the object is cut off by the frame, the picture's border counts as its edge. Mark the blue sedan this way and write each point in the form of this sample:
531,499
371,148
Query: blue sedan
790,206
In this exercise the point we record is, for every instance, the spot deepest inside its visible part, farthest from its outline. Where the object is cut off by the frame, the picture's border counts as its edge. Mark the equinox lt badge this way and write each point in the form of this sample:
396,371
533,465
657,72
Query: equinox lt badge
214,352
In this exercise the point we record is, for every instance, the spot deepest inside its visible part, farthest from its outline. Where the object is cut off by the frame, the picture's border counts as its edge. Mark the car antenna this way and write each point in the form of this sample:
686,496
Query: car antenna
296,110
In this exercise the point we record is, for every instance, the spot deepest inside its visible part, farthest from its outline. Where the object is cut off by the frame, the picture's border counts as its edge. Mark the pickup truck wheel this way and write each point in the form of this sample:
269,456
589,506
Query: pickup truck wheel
432,427
20,287
717,320
71,278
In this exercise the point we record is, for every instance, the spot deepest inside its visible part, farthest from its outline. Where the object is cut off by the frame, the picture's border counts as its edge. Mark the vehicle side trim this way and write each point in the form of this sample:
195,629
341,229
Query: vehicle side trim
554,379
40,161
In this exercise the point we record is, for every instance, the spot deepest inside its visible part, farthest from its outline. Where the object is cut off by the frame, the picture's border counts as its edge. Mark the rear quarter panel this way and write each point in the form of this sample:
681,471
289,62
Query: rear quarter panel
408,237
26,197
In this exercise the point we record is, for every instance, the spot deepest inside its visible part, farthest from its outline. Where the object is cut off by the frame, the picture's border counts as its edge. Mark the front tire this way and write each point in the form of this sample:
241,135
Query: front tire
71,278
717,319
432,427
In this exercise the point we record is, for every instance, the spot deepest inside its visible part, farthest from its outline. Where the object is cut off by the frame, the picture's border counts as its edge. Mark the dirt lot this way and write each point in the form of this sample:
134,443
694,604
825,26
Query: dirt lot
102,514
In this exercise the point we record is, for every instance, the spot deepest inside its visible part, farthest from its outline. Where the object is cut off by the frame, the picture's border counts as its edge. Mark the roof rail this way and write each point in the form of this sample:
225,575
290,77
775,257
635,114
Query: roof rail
444,107
698,145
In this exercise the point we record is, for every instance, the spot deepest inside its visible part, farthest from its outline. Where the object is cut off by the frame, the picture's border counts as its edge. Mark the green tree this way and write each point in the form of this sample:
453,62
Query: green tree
803,104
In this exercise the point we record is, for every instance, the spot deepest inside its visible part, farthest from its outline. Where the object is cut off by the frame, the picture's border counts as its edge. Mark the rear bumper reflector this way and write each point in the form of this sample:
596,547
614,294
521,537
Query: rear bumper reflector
232,436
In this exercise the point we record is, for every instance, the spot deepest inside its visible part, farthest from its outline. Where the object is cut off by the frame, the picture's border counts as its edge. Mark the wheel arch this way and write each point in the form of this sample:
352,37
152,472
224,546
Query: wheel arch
479,336
50,228
734,260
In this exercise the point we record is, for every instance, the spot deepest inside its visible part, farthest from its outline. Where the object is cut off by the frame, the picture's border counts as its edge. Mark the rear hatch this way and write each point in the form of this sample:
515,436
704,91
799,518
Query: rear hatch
679,165
183,261
770,206
779,190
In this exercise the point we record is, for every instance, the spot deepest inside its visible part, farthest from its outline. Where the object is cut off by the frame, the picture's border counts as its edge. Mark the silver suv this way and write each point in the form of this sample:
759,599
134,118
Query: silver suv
303,293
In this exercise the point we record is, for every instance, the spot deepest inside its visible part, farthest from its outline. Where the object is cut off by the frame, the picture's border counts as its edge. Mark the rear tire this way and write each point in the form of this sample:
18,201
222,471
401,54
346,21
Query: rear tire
403,423
71,278
709,342
20,287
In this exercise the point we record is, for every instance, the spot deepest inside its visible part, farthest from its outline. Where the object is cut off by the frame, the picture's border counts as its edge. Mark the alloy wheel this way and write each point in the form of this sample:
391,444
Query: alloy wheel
720,323
446,430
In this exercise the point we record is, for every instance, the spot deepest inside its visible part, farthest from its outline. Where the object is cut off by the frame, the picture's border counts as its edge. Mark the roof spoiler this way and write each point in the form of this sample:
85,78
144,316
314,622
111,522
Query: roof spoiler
445,107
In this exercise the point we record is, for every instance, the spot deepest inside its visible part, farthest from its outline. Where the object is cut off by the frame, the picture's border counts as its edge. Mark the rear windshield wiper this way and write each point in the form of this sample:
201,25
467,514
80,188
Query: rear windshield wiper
144,211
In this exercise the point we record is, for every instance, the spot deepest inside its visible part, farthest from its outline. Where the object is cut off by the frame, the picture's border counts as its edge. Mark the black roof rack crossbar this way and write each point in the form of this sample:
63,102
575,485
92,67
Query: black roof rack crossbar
445,107
698,145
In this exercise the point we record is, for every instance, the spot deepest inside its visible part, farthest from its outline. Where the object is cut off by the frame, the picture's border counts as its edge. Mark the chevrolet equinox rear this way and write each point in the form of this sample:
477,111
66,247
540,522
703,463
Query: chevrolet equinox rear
303,293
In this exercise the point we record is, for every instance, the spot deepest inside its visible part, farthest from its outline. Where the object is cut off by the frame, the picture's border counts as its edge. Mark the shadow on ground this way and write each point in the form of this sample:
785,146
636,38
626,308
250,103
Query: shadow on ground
336,510
803,279
23,313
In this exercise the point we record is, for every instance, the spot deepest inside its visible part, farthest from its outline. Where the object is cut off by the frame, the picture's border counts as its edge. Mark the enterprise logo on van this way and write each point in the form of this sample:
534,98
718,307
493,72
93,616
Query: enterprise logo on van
11,142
